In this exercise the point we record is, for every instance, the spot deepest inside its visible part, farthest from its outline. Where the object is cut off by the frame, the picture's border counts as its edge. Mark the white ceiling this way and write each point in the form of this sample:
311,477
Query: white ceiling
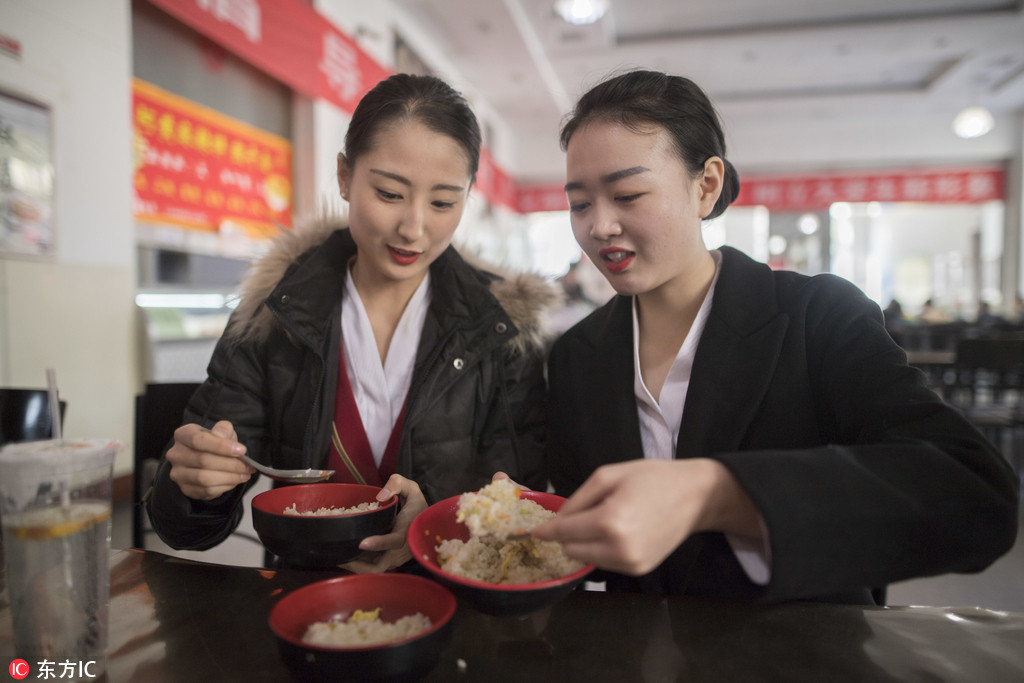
800,84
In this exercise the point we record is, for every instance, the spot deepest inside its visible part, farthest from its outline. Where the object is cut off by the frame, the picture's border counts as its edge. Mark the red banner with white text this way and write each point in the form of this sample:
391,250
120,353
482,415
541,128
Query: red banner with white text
292,42
816,192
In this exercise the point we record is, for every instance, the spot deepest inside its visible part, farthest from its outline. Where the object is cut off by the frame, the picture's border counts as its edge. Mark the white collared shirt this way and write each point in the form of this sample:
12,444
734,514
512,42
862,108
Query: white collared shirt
660,420
380,389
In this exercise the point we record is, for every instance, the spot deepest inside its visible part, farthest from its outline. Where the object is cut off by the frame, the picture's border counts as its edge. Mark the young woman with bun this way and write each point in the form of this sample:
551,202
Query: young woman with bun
725,429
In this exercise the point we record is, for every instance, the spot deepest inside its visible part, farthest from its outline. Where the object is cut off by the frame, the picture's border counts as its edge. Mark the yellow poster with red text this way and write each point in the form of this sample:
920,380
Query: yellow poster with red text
197,168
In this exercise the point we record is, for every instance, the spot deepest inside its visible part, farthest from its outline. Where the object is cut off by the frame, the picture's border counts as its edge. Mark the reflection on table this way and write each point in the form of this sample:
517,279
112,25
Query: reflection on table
180,620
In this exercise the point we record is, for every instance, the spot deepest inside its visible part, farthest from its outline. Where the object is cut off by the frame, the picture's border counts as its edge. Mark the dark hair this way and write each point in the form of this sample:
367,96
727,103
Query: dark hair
675,103
425,99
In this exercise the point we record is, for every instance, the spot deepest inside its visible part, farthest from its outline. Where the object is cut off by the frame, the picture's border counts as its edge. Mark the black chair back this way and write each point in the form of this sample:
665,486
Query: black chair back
992,367
158,412
25,415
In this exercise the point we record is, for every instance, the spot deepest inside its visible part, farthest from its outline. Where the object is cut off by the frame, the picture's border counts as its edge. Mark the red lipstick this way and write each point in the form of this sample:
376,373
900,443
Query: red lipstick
616,259
402,256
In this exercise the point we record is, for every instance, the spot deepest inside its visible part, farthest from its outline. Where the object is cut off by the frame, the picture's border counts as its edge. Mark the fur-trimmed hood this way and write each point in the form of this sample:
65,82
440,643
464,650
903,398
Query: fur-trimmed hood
527,298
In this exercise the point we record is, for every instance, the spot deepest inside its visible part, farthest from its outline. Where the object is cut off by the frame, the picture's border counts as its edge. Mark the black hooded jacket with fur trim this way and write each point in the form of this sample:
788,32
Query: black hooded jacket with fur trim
476,404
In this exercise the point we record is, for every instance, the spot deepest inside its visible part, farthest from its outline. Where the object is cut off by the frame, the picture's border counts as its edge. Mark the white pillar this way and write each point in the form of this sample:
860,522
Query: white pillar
1013,246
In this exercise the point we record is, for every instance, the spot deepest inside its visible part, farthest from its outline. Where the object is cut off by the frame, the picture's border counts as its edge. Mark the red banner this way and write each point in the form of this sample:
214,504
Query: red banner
288,40
531,198
199,168
292,42
494,183
818,191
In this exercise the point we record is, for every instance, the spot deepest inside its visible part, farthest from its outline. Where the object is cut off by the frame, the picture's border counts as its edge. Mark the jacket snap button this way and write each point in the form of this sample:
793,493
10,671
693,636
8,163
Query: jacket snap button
458,363
501,328
285,299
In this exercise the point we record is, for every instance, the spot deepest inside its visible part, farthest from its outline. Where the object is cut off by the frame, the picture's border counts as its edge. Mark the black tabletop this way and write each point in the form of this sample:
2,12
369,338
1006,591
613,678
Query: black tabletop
179,620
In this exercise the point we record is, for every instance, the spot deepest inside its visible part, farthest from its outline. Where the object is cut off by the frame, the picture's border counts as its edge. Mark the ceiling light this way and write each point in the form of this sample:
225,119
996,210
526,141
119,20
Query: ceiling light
808,224
840,210
973,122
179,300
580,12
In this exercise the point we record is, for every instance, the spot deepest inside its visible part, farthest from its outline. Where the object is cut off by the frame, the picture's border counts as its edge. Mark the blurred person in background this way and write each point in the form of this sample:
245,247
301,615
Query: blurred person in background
987,320
931,315
574,307
894,320
372,349
722,429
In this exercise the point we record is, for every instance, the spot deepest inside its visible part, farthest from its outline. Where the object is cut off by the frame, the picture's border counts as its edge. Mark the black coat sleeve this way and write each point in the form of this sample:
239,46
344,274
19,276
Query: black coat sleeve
901,485
232,391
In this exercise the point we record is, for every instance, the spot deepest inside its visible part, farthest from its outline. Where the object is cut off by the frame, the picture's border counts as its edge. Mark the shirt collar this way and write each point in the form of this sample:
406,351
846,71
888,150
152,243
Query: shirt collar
683,363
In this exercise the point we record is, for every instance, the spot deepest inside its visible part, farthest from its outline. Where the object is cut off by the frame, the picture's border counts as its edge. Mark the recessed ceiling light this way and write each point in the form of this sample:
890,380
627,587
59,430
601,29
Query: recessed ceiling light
580,12
973,122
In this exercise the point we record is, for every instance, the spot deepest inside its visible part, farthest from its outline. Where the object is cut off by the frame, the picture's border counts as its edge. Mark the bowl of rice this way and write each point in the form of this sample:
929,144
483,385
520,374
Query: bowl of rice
478,544
320,525
364,627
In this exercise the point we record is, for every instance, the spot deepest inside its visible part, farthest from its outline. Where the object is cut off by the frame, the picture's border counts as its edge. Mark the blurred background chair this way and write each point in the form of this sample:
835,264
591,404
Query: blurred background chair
989,389
25,415
158,412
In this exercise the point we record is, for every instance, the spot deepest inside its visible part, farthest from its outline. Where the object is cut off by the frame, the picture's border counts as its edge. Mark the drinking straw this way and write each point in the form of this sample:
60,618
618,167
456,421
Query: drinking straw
51,386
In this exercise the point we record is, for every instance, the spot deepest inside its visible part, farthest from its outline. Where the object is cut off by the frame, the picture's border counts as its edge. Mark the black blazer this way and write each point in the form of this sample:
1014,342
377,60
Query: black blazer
862,474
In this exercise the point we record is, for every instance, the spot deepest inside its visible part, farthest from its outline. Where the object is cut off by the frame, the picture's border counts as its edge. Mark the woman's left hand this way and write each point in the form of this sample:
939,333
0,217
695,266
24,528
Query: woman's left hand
391,547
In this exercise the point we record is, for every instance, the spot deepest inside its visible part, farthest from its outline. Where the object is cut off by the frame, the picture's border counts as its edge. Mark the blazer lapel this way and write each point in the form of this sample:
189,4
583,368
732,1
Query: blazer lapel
735,359
612,421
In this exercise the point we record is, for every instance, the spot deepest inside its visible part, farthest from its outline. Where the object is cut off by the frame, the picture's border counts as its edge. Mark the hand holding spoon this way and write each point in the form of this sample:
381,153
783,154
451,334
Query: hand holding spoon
307,476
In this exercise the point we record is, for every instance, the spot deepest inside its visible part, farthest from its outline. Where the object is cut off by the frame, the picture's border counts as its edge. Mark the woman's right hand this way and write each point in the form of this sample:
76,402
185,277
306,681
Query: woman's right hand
205,462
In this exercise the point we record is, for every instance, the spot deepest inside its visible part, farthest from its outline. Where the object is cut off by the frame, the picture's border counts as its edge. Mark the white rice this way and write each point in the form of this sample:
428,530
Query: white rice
524,560
492,514
364,628
325,512
498,510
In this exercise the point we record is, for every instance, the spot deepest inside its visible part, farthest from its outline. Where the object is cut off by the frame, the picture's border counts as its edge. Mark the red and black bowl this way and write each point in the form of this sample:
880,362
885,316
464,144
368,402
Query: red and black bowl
314,540
437,523
397,595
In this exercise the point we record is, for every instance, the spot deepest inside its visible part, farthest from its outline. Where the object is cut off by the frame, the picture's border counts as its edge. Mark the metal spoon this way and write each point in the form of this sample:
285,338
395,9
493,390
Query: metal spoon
308,476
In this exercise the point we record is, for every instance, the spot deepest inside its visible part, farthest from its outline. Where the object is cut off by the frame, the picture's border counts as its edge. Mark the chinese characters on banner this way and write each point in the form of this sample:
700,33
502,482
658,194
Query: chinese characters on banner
292,42
198,168
817,192
807,193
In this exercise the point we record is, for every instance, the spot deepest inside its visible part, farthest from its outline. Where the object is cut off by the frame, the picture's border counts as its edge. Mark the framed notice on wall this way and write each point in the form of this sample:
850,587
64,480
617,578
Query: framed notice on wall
26,177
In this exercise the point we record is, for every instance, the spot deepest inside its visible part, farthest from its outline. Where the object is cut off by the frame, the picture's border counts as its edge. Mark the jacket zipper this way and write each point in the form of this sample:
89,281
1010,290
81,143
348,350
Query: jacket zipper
315,410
